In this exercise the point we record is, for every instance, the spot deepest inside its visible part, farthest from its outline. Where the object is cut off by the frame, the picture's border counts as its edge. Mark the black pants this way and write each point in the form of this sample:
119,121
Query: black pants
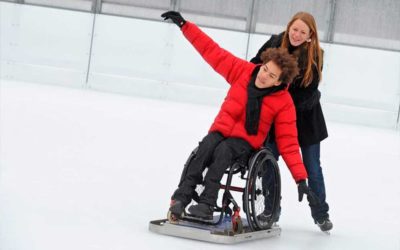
217,153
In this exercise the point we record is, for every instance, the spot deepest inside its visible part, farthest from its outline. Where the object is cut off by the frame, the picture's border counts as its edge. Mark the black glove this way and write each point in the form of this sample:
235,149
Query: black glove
303,188
175,17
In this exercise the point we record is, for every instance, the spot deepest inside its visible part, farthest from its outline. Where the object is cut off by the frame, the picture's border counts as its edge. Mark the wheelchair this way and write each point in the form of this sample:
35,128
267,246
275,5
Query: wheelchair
261,164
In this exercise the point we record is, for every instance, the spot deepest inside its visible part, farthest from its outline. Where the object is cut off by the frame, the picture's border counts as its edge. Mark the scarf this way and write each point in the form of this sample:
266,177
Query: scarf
255,100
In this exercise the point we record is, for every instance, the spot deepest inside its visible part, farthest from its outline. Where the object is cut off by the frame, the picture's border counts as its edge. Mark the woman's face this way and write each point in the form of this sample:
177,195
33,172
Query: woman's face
299,33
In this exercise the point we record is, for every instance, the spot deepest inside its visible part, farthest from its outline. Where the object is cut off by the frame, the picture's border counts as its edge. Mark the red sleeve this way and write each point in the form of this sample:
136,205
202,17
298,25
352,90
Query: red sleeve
222,61
287,142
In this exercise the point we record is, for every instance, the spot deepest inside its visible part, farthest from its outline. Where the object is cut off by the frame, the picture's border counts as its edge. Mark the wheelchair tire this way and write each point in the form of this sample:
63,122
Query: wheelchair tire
237,225
254,195
172,218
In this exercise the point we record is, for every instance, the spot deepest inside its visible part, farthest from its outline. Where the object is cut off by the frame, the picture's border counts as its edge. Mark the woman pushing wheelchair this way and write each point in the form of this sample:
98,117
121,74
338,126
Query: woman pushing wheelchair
257,97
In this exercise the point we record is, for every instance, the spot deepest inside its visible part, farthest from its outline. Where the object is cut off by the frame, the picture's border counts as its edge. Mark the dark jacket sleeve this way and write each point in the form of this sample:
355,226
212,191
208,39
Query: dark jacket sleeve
267,44
274,42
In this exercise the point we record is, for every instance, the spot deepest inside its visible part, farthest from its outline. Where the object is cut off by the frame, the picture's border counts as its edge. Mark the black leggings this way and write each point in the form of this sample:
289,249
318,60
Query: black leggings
217,153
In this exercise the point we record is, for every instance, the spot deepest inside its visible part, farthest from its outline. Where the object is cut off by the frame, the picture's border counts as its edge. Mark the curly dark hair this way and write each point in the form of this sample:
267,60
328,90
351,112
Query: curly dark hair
286,62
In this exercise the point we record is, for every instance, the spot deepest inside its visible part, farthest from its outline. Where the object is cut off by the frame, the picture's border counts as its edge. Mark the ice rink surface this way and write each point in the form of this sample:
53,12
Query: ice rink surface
82,169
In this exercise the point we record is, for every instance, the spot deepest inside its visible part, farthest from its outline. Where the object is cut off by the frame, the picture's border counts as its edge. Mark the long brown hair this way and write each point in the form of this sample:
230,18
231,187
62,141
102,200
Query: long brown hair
314,51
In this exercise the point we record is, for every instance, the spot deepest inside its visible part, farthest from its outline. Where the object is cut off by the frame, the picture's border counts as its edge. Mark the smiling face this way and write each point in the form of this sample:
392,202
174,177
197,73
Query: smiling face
268,75
299,33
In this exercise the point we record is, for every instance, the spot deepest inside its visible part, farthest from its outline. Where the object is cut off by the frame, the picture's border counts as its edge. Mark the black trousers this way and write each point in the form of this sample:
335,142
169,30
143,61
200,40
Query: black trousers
217,153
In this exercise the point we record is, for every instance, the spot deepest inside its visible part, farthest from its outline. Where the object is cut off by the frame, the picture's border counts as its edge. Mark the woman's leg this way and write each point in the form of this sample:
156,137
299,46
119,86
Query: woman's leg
311,159
268,183
274,149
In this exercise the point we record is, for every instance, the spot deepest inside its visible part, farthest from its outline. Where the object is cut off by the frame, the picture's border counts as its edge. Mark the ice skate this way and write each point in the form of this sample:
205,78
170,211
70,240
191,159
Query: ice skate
264,218
325,225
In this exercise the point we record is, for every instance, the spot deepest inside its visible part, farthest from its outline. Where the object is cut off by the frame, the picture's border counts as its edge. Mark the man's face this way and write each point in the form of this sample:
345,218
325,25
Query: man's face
299,33
268,76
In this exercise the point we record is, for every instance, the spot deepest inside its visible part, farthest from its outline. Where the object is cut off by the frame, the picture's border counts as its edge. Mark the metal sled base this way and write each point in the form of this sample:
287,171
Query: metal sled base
209,233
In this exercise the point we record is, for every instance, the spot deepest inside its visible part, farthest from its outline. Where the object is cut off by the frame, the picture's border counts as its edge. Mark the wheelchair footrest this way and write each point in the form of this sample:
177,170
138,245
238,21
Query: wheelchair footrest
209,233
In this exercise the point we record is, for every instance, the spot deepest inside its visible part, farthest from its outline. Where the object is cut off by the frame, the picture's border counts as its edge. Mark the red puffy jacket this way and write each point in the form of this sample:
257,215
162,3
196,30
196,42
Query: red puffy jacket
276,108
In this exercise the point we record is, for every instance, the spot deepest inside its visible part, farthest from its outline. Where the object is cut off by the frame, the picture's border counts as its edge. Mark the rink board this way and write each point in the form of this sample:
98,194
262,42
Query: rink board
203,233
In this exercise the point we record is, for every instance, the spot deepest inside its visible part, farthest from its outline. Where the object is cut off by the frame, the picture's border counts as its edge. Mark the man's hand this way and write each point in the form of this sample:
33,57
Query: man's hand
176,17
303,188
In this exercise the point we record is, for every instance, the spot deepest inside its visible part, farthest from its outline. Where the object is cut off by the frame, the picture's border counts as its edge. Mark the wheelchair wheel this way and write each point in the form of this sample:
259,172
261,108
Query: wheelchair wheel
172,218
237,225
261,165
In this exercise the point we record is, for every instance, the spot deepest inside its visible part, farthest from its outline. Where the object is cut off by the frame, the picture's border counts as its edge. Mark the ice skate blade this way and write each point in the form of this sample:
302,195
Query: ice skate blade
208,233
327,232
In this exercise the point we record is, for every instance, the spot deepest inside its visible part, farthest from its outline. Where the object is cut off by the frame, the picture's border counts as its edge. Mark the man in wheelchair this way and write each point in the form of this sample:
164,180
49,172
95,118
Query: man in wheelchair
257,97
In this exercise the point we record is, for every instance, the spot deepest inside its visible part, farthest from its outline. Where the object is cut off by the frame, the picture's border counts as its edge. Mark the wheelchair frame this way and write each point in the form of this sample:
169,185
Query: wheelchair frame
253,193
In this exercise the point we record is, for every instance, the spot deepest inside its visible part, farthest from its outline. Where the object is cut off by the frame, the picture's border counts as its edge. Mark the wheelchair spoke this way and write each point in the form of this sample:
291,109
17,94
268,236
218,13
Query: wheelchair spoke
262,164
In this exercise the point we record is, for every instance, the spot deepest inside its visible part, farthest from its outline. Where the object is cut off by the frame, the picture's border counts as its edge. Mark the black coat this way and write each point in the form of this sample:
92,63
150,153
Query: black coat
311,124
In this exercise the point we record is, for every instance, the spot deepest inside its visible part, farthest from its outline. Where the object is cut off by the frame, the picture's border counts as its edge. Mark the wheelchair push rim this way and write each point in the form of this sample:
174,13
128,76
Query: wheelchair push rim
254,195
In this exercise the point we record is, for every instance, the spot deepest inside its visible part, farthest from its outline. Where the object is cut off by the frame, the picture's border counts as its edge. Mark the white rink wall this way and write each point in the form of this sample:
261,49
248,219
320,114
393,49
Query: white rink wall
152,59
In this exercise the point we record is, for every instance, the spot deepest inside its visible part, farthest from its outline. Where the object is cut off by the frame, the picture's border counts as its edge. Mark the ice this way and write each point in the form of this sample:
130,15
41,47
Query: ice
82,169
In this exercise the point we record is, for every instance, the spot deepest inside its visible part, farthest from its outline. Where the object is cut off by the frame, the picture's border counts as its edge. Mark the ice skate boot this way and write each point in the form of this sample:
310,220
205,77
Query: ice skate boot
202,211
325,225
266,220
175,211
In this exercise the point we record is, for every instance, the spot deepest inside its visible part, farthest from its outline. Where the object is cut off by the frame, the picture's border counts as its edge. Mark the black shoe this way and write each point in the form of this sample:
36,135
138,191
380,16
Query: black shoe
202,210
177,208
325,224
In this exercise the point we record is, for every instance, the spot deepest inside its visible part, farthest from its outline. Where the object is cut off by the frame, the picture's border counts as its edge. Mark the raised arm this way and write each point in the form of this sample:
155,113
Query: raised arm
221,60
